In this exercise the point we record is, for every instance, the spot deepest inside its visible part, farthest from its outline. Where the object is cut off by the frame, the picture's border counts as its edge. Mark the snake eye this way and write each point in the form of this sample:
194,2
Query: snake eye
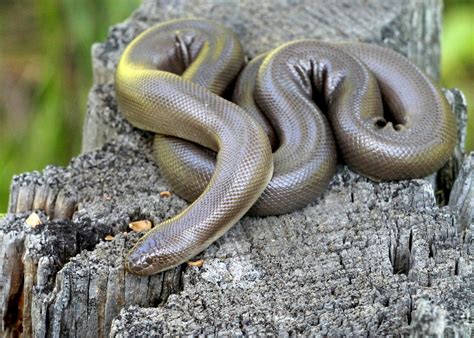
380,123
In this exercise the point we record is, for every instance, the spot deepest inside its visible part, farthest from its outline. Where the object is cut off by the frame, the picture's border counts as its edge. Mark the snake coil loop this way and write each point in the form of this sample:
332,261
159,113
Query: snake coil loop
305,98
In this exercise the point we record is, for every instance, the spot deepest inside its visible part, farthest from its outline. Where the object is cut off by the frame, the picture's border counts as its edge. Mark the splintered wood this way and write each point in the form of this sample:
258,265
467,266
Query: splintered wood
165,194
33,220
140,226
199,263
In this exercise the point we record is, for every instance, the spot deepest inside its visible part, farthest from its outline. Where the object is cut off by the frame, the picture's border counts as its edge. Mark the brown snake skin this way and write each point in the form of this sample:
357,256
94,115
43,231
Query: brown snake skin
169,81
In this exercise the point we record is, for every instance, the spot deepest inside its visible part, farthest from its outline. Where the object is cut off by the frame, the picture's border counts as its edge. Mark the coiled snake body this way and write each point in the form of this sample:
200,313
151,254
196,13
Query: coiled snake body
169,81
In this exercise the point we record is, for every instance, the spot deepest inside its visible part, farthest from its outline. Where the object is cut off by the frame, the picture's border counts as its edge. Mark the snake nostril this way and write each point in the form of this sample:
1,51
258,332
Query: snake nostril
398,127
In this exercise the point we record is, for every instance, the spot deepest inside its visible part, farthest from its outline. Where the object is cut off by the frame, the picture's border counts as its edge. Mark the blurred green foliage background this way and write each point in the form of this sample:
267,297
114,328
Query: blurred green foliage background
45,74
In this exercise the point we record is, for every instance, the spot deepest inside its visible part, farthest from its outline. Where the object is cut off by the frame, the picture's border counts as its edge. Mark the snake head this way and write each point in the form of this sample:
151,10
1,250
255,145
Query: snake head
157,251
143,258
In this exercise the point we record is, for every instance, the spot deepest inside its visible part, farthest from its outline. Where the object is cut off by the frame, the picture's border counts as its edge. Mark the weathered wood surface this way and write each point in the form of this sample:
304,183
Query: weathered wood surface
366,258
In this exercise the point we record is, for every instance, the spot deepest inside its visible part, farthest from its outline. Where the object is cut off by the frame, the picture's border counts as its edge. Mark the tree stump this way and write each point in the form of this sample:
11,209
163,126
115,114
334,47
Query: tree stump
364,259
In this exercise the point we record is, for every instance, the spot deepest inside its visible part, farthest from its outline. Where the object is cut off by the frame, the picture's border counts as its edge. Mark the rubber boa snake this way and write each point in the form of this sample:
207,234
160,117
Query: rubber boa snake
306,100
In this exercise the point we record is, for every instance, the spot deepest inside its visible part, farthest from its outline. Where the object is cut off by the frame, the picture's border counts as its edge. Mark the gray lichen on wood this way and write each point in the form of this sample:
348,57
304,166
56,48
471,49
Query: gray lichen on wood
366,258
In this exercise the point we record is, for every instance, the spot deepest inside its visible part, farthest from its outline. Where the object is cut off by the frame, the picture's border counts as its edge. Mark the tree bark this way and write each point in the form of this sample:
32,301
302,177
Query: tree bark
365,259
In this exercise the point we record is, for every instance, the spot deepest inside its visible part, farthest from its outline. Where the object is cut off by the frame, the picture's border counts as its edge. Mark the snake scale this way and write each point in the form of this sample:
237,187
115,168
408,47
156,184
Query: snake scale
273,149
